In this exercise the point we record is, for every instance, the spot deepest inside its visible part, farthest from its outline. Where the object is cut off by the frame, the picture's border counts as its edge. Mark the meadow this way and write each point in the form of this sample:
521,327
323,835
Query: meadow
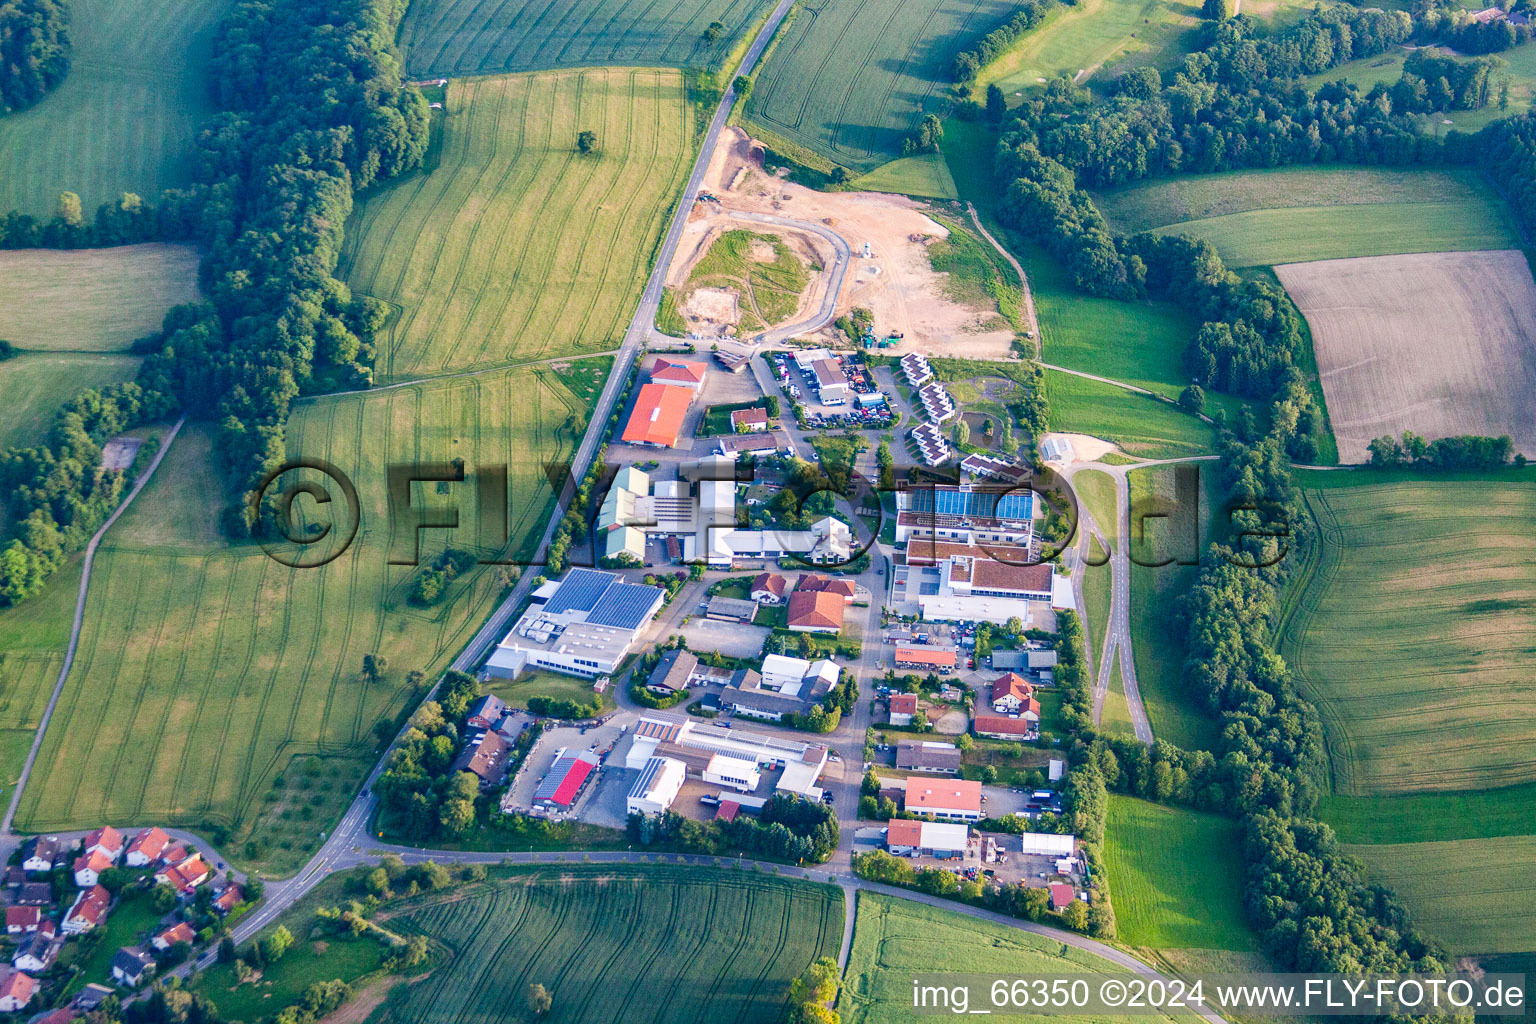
1388,68
1093,41
218,688
1156,640
926,176
34,383
92,300
1176,876
468,37
514,246
849,81
1293,215
1474,895
1423,817
126,116
1411,630
620,944
1116,717
1140,425
894,938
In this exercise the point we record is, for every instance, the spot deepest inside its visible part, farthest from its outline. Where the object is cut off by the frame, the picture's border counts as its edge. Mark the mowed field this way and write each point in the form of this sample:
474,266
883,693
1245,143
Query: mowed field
617,944
1413,632
515,247
849,79
1474,895
895,939
34,384
1436,343
478,37
1293,215
125,117
1176,876
1094,40
205,671
927,176
92,300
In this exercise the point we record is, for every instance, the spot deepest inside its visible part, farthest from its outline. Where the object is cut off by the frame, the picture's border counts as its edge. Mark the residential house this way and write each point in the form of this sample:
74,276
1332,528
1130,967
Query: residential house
22,920
179,932
933,758
486,713
63,1015
769,588
146,847
817,583
15,877
185,875
1004,727
1062,896
89,866
679,373
88,910
484,755
749,420
814,612
1011,691
903,707
16,991
228,900
44,853
92,996
105,840
36,953
672,673
34,894
131,965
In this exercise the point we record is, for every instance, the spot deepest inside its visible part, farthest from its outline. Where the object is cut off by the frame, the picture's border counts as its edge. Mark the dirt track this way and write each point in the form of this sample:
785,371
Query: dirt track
1436,343
897,282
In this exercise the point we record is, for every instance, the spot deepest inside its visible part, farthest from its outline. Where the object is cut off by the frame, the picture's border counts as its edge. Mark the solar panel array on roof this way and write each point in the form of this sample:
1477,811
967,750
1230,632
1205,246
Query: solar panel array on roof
624,605
985,504
581,589
552,779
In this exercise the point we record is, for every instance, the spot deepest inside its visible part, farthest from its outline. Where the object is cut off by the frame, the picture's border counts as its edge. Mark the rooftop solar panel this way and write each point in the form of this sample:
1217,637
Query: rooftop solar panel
989,504
624,605
581,589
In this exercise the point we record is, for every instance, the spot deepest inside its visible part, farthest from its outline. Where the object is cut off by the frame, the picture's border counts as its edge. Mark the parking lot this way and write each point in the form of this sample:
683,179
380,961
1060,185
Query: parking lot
800,386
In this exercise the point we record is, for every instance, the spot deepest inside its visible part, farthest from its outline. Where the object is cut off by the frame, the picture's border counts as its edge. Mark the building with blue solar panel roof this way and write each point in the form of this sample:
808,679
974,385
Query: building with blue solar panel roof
969,513
583,624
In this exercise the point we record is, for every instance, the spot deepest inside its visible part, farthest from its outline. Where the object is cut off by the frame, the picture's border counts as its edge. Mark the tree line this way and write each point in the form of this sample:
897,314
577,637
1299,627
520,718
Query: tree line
968,63
34,50
789,828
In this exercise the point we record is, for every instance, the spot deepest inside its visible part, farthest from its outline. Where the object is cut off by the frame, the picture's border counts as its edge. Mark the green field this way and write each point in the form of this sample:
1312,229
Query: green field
927,175
1474,895
1116,719
284,982
470,37
1140,425
620,944
92,300
548,684
1411,629
35,383
514,247
1095,39
1176,876
1096,491
125,118
849,81
1156,640
1424,817
894,938
1294,215
1388,68
207,671
760,269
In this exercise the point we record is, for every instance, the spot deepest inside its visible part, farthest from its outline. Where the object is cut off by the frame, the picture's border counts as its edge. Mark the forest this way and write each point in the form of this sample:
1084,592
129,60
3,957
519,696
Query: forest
34,50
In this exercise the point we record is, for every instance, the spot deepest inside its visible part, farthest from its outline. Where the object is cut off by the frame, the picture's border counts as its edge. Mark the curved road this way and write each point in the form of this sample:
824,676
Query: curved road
7,841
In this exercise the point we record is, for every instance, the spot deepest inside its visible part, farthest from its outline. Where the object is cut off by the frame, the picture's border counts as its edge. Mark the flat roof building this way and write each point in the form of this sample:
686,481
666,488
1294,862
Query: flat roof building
657,418
582,624
657,787
695,744
944,798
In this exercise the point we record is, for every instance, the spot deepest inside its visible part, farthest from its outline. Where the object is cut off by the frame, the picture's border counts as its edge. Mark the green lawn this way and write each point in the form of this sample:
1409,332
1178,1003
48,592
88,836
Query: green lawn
513,246
1474,895
35,383
895,939
1411,630
128,924
1142,426
1096,596
125,118
849,81
465,37
1176,876
1156,641
1294,215
717,418
548,684
927,175
1097,493
1116,719
1095,39
283,983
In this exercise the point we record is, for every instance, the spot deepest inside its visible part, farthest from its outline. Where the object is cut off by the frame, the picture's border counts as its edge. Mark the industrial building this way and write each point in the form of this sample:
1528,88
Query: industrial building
696,746
565,780
658,785
583,624
906,838
957,799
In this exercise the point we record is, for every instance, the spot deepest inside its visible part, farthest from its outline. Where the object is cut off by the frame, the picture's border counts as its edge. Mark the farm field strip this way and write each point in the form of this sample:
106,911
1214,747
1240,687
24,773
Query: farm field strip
1412,633
205,669
516,247
1490,908
1437,343
850,80
476,37
126,116
92,300
620,944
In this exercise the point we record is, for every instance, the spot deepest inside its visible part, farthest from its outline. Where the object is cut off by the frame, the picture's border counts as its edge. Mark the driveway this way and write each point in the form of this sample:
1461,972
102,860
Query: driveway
731,639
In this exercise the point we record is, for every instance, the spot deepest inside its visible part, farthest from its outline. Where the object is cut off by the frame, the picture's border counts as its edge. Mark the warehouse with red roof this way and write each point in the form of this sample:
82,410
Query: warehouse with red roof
657,418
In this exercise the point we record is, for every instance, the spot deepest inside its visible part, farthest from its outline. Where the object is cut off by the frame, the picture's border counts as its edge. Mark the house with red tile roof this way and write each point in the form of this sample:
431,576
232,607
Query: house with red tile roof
22,920
1004,727
749,420
1062,896
16,991
679,373
185,876
815,582
768,588
1010,691
903,707
89,866
229,899
106,840
89,910
146,847
179,932
814,612
63,1015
